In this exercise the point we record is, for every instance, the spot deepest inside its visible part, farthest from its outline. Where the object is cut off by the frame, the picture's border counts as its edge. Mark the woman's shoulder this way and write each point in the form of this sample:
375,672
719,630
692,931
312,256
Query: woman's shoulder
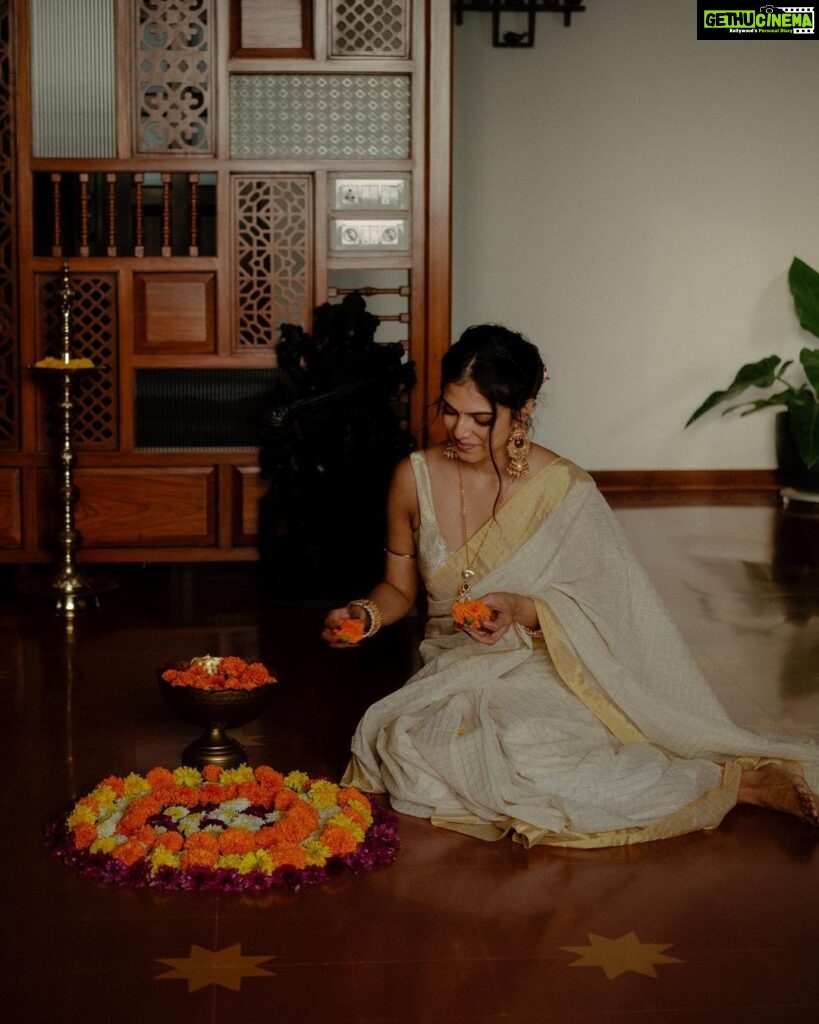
404,479
540,457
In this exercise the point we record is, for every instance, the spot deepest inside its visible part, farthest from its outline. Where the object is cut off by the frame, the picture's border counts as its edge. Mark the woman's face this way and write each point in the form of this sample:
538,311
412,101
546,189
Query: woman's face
472,426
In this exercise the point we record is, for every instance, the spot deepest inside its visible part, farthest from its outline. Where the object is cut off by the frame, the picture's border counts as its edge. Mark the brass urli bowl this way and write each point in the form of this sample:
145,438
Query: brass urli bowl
215,711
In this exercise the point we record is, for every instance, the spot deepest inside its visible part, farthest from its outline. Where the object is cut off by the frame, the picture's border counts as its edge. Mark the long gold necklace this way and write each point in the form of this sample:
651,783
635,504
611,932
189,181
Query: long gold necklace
468,572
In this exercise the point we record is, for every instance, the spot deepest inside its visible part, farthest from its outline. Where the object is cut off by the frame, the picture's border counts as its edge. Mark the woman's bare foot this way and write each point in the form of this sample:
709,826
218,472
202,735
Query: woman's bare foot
778,789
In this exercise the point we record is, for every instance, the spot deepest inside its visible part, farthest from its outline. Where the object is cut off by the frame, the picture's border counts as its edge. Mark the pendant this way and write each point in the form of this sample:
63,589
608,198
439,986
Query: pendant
464,592
468,574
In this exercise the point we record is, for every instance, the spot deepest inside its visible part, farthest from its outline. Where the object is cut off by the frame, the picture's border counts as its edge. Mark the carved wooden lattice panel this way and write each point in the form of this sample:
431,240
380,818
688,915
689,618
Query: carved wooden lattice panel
174,76
8,290
272,227
362,28
319,117
93,336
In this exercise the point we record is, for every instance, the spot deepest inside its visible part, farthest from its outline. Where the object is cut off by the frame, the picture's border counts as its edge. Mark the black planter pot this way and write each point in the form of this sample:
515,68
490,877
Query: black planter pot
792,470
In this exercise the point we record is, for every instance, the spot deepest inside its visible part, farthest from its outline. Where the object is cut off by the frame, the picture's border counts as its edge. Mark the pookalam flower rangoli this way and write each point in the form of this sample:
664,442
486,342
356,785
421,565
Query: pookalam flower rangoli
223,829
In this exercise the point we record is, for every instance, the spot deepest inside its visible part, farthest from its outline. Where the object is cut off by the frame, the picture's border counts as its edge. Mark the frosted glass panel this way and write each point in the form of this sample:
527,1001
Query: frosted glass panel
320,116
72,78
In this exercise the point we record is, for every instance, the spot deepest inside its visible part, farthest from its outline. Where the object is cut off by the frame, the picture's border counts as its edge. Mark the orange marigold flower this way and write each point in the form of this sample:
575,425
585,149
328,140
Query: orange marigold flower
268,776
351,793
232,666
298,823
160,778
199,857
173,841
213,793
138,813
201,848
359,817
290,854
147,836
114,782
349,631
267,836
129,852
256,794
471,614
338,840
236,840
84,836
203,841
211,772
186,796
286,799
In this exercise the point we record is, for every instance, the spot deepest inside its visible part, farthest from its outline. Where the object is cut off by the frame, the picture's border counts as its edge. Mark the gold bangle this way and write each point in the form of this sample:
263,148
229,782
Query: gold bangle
535,632
398,554
373,611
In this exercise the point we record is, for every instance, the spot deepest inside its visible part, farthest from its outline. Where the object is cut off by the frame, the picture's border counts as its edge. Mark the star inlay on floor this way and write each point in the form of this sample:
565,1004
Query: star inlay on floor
618,956
226,967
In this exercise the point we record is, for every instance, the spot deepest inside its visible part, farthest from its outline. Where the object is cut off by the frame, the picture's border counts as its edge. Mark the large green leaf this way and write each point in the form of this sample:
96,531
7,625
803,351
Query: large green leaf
809,358
804,285
804,423
752,375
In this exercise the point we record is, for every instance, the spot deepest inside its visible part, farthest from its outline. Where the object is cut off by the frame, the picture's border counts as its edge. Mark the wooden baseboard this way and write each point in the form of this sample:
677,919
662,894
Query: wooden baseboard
689,486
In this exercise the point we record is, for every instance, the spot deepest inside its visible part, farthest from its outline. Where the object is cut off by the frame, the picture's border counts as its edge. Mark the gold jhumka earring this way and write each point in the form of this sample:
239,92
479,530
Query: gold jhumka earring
518,447
450,450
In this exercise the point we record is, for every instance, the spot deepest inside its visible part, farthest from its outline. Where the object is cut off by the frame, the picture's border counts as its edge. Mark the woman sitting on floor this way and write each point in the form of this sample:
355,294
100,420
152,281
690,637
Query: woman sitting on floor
575,715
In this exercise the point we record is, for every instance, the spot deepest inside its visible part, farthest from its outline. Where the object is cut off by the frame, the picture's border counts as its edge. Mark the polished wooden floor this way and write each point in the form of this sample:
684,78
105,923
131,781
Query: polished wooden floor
720,927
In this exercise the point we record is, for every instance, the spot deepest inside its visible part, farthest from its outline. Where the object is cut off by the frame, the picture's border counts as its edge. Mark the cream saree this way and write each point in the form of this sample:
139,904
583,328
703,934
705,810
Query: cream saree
604,733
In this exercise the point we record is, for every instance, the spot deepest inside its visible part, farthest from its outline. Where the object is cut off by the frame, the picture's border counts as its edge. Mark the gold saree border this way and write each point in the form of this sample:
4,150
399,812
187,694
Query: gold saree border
522,514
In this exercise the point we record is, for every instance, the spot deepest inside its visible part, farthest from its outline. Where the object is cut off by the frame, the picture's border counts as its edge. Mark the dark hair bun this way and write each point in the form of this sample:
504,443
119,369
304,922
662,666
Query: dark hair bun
506,368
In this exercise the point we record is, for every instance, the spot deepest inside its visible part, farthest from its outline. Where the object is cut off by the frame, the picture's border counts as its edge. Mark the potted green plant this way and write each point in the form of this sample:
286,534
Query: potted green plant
798,422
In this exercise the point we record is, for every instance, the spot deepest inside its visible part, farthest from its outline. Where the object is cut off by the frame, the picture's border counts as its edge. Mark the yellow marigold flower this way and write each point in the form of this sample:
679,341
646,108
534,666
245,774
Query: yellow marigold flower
135,785
161,857
323,794
241,774
229,860
187,777
81,815
259,860
105,844
342,821
297,781
264,861
105,796
317,852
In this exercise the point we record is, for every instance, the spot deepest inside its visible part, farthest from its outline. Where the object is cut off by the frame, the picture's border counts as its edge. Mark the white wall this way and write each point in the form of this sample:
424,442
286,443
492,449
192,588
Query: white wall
631,199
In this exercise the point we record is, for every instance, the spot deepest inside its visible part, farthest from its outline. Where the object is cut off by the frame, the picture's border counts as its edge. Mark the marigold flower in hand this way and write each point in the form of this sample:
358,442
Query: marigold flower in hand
349,631
471,614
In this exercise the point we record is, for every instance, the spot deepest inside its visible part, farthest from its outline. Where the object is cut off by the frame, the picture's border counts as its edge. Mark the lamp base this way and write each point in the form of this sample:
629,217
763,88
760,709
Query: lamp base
214,746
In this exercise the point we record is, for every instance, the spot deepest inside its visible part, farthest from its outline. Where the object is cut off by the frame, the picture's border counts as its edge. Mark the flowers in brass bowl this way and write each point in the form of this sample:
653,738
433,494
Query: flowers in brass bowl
216,693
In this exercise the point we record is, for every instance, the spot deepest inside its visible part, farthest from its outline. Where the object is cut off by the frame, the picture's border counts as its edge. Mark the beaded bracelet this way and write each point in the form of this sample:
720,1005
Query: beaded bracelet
374,613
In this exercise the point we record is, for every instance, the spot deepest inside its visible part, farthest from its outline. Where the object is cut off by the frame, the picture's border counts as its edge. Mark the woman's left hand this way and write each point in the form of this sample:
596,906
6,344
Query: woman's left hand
504,606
